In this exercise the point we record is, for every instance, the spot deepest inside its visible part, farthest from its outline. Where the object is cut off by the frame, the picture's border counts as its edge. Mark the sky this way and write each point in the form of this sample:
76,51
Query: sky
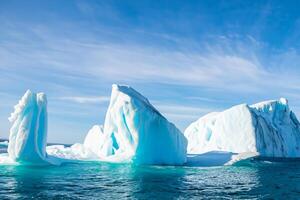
188,58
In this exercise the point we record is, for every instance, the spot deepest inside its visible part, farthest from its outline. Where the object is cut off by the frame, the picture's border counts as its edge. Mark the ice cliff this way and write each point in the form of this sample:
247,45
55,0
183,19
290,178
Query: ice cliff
269,129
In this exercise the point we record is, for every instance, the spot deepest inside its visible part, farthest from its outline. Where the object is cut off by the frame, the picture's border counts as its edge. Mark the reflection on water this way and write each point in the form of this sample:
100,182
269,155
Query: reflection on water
253,180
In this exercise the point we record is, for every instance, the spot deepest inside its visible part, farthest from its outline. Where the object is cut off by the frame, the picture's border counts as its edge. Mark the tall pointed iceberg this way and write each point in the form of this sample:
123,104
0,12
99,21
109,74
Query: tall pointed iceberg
269,129
28,134
134,130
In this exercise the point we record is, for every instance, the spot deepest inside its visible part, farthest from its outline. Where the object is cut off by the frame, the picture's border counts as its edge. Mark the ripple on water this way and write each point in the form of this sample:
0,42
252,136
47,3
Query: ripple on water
113,181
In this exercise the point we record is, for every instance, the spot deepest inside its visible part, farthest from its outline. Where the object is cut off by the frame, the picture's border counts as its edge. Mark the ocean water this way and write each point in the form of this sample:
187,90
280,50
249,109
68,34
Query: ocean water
94,180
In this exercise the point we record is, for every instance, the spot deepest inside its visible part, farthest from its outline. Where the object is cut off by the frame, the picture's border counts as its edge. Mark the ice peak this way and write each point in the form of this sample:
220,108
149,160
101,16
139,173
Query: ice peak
283,101
130,95
135,130
125,89
21,105
28,99
272,105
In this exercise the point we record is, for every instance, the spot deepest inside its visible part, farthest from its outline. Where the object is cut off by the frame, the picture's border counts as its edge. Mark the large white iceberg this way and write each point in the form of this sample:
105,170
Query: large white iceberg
268,129
135,131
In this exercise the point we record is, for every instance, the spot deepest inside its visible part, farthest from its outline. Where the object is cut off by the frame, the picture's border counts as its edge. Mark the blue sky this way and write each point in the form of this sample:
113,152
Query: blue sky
187,57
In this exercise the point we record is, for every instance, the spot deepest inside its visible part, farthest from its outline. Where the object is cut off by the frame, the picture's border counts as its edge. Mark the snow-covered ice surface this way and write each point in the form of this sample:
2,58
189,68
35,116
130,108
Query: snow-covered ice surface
268,129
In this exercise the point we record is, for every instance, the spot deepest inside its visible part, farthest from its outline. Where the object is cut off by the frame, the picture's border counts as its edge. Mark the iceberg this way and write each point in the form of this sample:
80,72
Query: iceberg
27,139
28,134
266,129
134,131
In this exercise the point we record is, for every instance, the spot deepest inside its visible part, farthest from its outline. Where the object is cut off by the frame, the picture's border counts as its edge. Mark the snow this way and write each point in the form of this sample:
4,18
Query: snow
268,129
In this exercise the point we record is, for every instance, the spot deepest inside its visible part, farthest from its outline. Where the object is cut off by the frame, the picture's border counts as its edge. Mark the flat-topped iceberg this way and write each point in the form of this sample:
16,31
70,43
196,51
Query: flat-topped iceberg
135,131
268,129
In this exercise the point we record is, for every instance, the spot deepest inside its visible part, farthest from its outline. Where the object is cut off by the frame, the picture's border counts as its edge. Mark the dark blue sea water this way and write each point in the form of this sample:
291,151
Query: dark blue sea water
250,180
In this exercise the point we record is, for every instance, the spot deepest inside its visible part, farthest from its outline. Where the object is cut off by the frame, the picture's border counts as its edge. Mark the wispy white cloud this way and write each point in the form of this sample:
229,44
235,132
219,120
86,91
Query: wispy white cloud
205,99
86,99
114,62
222,68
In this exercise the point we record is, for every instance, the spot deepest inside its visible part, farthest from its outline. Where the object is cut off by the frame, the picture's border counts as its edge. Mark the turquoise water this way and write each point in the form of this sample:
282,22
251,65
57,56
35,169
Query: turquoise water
251,180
